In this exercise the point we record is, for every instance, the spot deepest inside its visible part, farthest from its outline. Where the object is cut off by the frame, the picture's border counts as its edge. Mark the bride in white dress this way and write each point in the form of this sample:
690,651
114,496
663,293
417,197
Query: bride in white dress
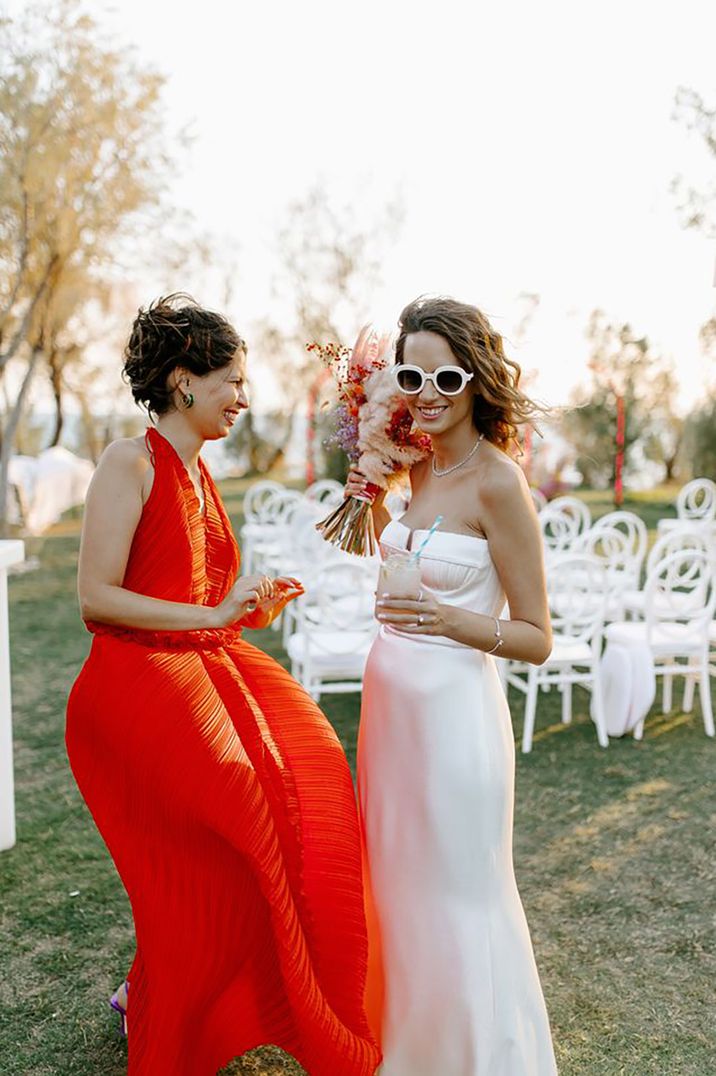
455,989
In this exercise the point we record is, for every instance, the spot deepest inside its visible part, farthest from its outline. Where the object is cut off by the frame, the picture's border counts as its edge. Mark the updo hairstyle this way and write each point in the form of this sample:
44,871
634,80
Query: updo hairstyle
175,331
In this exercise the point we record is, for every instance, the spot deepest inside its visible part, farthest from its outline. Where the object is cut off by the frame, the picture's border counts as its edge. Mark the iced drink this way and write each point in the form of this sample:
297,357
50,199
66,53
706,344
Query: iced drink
399,577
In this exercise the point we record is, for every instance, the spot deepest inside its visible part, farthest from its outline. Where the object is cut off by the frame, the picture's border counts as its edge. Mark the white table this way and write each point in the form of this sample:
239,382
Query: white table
10,553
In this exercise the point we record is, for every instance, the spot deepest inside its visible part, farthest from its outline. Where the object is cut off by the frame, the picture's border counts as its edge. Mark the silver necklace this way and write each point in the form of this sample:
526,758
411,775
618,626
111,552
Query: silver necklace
471,453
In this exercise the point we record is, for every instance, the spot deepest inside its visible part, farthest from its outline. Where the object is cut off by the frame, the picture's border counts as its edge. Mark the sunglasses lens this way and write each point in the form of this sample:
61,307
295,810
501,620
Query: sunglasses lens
409,380
450,382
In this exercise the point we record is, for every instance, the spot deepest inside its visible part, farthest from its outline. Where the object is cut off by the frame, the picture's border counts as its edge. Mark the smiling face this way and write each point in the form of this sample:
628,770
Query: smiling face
219,397
431,411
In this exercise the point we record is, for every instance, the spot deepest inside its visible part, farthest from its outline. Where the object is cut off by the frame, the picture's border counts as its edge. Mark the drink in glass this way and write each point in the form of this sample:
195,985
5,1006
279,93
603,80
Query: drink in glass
399,577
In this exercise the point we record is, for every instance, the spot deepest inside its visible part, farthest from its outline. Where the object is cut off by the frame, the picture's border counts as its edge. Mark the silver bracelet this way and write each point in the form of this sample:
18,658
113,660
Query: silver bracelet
498,636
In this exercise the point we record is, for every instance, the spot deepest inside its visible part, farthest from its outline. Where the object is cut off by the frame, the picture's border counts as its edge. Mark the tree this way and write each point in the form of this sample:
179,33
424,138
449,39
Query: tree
700,439
698,210
82,157
329,269
328,272
622,364
697,207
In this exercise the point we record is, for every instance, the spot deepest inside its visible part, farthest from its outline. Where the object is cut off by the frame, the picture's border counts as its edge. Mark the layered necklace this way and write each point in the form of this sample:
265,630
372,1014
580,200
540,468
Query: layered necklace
455,466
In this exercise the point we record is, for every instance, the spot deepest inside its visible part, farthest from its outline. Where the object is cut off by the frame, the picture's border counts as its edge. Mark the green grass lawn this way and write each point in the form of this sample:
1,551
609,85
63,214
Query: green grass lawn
615,854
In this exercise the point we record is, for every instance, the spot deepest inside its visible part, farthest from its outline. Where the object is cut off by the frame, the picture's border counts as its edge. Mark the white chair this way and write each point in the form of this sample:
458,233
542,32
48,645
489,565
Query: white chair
303,553
614,549
577,589
574,508
636,534
695,504
680,598
560,532
691,679
326,491
255,506
672,541
334,631
277,514
697,500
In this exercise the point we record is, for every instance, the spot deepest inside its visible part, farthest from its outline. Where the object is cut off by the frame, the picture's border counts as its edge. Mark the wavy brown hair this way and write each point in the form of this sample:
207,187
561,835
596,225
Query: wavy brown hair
499,407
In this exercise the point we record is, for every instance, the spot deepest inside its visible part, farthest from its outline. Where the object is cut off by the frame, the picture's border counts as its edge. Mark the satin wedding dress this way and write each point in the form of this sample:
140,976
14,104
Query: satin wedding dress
460,990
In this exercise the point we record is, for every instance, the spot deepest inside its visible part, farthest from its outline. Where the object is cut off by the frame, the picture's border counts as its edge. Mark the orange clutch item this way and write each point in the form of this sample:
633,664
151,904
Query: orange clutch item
266,612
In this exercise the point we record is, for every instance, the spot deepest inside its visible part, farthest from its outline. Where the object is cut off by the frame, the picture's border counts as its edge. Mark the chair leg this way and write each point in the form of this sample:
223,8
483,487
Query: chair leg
566,703
667,685
598,700
705,693
689,689
530,708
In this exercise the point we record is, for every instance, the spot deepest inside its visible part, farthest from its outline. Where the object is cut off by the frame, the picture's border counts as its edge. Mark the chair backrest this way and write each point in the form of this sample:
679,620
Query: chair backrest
612,547
560,532
257,497
680,589
577,590
301,543
697,500
341,602
673,542
635,532
280,506
574,508
326,491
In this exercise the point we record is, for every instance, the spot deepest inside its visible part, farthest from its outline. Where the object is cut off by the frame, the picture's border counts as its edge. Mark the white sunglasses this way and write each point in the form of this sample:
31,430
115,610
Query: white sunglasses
448,380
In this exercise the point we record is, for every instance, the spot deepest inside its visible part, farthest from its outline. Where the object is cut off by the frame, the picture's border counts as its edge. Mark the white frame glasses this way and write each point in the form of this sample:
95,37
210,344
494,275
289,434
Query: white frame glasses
432,378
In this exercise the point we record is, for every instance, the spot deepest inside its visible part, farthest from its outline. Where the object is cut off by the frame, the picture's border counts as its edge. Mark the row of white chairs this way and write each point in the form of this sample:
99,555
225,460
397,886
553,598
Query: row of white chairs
328,631
673,617
593,588
566,520
270,510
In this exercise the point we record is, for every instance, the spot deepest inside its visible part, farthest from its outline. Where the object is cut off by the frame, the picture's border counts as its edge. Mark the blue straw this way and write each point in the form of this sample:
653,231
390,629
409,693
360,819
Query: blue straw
426,539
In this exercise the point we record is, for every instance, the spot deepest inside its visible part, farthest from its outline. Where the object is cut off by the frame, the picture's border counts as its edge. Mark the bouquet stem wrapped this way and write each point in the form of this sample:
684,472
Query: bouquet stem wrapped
350,525
375,430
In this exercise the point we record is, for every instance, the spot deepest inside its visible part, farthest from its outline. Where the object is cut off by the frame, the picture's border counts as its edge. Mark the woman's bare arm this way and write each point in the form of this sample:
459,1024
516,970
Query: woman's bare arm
112,512
508,519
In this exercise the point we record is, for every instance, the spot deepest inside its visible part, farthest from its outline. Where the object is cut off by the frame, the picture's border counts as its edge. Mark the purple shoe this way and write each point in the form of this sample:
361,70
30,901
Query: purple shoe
115,1004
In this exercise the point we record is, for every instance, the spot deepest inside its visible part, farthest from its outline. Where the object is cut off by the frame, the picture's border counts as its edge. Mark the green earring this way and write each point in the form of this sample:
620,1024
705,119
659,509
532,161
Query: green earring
187,399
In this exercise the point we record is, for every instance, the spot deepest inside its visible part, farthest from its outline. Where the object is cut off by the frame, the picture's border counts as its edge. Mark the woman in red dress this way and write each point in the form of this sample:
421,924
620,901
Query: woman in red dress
221,790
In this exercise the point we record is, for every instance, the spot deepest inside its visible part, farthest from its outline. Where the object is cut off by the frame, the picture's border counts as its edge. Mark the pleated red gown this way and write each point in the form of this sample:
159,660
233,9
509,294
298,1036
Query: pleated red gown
226,802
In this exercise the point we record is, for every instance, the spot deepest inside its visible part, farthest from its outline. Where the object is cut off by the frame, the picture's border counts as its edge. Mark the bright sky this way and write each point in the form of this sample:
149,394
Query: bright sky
532,143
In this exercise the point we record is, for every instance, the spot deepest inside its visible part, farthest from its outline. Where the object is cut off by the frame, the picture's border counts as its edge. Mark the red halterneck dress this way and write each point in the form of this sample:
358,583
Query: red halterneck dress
226,802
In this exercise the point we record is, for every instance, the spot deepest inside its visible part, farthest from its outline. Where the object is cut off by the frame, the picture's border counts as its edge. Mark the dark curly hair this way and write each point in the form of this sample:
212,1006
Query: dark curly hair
175,331
499,407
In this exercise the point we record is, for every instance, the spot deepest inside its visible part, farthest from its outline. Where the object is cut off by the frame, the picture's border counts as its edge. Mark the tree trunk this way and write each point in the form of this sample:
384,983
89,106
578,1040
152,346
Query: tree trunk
8,436
56,381
21,333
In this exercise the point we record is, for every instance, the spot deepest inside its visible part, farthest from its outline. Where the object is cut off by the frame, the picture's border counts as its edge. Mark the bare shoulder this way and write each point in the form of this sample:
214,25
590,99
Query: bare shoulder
501,479
127,458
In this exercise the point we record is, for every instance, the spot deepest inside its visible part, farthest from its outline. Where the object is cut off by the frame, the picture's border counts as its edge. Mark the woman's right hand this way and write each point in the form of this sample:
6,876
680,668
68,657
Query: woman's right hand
247,592
356,486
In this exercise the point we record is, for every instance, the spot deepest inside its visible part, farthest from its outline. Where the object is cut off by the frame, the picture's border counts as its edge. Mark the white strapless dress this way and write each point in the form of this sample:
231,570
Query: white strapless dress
435,782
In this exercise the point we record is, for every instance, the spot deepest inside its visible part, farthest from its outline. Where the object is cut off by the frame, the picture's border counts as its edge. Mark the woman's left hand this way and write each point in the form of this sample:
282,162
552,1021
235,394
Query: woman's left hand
424,617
